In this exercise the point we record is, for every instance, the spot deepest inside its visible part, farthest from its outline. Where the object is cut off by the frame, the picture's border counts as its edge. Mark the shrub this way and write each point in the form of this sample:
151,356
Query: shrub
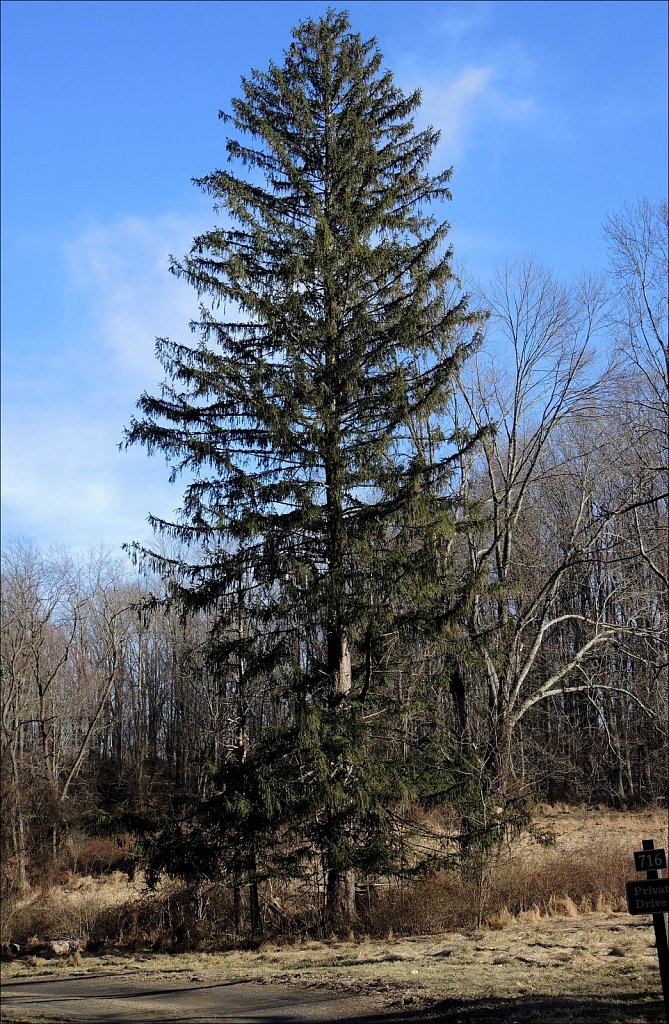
590,879
180,916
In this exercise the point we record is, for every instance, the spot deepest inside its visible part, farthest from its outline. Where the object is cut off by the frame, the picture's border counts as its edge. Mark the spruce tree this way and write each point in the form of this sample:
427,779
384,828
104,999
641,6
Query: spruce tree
324,337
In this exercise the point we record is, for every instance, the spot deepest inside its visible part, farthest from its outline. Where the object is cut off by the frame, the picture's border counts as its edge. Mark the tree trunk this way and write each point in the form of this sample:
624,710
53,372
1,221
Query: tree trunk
340,662
340,889
238,908
255,917
340,911
19,844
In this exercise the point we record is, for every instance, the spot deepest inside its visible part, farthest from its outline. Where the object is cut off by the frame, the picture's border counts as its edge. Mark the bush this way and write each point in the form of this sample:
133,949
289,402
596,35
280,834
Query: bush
176,918
591,879
437,903
96,856
32,923
179,916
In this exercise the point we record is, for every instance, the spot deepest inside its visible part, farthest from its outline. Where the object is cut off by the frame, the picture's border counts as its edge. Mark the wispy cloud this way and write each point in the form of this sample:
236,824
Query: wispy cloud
65,480
459,21
63,476
122,270
459,106
477,76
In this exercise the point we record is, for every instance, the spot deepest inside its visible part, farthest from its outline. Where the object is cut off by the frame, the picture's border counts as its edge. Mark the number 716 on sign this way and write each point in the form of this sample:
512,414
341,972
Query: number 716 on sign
647,860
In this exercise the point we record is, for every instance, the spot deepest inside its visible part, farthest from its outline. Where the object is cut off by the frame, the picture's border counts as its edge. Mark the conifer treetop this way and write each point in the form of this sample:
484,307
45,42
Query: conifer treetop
293,409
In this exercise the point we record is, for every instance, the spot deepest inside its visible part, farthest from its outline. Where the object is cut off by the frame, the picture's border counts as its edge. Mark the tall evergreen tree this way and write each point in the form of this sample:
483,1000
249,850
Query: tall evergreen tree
293,413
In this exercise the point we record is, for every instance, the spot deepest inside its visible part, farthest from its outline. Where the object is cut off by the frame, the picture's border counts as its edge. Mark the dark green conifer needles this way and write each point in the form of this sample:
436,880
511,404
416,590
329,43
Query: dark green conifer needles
325,339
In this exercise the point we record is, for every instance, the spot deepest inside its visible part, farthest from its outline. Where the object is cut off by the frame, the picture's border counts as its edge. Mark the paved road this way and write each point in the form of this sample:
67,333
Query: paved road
129,999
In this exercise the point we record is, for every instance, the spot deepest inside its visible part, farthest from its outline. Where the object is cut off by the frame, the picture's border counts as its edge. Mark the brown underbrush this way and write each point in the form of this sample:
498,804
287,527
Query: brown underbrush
584,872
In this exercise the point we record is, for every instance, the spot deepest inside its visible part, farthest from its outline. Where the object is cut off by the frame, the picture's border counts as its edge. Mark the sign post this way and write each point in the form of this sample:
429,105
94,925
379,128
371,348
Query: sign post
652,897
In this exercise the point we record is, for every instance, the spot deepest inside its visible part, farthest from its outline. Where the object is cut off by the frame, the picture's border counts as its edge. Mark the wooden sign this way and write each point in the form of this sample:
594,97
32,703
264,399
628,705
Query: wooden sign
650,896
646,860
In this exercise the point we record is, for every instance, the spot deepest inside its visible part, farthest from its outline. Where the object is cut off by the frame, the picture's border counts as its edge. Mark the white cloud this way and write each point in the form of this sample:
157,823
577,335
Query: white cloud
463,20
449,106
64,479
121,269
460,105
477,76
65,482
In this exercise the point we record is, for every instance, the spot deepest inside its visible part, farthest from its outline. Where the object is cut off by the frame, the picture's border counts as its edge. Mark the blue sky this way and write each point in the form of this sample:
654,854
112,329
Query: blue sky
553,115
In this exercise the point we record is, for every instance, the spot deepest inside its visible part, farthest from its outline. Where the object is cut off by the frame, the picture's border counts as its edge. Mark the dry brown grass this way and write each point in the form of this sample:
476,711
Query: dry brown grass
528,884
584,871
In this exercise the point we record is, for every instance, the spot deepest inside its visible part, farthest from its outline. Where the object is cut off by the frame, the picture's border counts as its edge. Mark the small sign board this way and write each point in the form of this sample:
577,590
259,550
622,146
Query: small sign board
649,860
650,896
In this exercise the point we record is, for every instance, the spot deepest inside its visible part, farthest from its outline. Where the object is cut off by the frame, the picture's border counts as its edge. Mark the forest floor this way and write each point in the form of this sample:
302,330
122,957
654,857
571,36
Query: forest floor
566,965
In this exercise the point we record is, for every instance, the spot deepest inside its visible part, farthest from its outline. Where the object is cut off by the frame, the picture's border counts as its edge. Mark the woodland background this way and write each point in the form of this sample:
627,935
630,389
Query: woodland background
108,700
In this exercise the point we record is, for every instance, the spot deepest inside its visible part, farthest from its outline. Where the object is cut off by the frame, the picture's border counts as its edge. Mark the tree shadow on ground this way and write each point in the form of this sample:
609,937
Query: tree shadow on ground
531,1009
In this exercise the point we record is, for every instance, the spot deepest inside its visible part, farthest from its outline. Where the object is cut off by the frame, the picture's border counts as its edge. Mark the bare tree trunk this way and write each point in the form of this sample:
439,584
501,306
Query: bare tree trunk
255,915
238,908
340,911
19,844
